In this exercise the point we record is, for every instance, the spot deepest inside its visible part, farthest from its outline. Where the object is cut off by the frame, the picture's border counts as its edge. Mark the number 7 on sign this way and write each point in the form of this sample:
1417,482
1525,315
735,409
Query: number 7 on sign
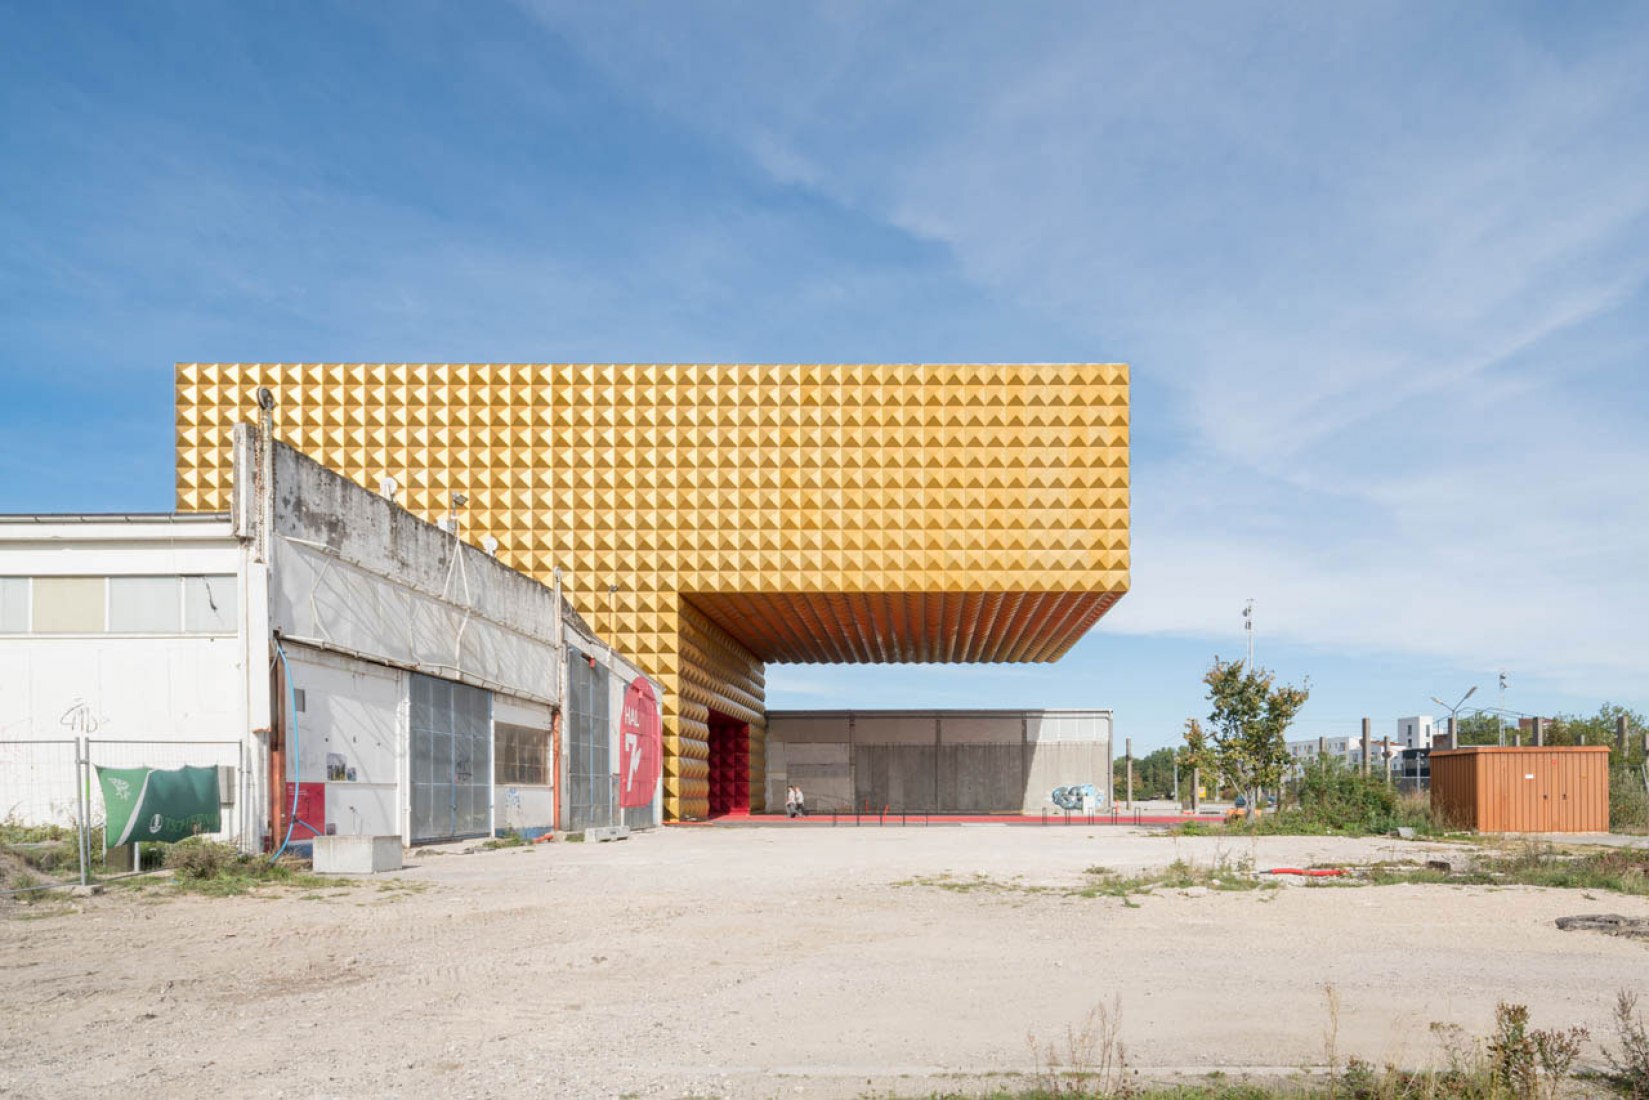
632,742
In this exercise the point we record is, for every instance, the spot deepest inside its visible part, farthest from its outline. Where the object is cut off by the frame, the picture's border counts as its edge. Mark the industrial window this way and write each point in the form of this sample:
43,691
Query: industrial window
521,756
144,605
14,605
209,605
68,605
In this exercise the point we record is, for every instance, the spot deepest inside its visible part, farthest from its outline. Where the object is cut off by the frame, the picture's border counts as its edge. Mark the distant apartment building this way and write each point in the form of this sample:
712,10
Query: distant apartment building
1340,748
1416,732
1412,742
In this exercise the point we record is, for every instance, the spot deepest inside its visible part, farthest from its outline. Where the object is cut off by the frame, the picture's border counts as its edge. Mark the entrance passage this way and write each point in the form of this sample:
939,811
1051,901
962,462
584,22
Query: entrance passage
729,766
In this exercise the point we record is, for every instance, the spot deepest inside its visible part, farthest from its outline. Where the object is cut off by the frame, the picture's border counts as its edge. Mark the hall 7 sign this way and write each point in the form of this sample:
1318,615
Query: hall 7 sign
640,730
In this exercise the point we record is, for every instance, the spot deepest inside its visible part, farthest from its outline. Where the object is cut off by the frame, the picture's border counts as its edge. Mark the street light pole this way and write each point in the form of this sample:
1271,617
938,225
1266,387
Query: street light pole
1248,628
1454,711
1500,719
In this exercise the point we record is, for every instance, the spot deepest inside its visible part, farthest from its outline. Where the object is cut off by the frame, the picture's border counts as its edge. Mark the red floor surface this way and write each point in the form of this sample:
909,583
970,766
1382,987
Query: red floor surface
892,818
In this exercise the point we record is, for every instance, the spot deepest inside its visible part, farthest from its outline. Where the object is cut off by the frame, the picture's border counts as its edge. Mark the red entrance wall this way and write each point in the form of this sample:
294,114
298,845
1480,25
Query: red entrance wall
729,766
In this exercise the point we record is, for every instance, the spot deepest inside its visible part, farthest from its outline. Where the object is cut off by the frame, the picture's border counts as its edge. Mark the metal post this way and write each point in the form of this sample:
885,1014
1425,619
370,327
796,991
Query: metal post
1128,750
1620,733
1196,790
1368,743
1500,717
1385,754
1540,732
938,755
1454,733
81,783
1322,748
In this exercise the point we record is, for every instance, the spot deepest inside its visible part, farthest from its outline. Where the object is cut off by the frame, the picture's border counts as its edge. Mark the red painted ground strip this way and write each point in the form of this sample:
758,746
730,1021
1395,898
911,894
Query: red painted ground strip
1059,820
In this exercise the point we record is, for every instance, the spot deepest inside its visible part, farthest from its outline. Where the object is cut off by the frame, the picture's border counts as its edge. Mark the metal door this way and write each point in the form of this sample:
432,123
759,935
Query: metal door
451,758
592,799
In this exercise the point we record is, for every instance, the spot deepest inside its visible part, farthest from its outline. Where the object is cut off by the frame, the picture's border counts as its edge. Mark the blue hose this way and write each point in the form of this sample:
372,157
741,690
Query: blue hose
292,709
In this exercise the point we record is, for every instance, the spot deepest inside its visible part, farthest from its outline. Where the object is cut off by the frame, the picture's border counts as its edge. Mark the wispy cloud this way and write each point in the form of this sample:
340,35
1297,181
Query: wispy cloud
1360,278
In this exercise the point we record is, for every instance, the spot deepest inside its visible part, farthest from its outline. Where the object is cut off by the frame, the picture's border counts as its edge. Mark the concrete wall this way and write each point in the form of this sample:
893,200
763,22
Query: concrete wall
935,761
354,717
353,572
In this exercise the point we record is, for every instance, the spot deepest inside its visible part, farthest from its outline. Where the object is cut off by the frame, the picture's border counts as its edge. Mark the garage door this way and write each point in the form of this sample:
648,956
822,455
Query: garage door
451,759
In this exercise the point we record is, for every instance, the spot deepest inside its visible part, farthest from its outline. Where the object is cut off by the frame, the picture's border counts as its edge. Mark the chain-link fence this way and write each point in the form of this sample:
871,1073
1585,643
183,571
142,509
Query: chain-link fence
51,804
42,811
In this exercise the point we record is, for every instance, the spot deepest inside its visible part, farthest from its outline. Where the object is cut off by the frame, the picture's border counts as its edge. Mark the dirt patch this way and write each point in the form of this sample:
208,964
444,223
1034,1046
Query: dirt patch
756,962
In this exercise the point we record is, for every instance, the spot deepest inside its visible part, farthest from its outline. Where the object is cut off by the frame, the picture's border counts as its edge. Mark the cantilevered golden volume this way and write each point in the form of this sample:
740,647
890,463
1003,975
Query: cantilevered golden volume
745,513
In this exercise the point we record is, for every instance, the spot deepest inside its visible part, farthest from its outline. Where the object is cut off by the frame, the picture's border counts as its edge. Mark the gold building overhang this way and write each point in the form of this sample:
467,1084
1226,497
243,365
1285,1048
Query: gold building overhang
904,627
710,518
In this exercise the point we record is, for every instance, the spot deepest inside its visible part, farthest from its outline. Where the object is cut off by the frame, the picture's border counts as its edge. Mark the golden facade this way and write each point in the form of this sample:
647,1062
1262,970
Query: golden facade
711,518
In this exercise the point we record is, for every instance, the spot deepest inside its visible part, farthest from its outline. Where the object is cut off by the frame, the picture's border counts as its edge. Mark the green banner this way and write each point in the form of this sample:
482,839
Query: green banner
146,805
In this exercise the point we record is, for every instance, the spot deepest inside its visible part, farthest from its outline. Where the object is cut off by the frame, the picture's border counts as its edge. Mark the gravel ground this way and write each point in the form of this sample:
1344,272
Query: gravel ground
773,962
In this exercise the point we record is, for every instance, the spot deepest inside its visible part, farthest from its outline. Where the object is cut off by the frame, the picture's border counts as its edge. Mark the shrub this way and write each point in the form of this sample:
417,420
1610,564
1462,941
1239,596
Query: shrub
1630,1060
202,859
1342,798
1628,800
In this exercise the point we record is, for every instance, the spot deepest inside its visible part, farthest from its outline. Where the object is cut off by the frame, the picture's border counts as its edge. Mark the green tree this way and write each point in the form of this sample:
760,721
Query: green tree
1245,741
1599,729
1153,775
1564,729
1482,729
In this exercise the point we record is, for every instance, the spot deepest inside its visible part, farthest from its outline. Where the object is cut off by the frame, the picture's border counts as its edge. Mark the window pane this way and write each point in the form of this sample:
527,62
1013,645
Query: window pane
143,605
14,605
209,605
68,605
521,755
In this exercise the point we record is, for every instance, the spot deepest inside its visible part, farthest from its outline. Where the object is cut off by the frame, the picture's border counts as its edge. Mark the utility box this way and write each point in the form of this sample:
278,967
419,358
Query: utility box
1529,789
356,855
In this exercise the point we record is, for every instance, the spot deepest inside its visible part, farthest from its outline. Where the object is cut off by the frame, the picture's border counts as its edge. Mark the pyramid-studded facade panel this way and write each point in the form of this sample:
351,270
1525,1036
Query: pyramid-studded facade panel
709,518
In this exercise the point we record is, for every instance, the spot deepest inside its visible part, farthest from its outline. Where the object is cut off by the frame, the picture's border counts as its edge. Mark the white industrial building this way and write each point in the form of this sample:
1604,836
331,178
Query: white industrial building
938,761
329,652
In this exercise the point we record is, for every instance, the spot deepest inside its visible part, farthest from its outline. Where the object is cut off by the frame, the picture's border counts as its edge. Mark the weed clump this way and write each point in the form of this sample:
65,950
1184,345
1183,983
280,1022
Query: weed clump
1630,1059
198,860
217,869
1628,800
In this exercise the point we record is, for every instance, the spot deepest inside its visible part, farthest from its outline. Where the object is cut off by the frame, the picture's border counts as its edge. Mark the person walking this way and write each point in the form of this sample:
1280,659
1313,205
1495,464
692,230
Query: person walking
790,801
801,801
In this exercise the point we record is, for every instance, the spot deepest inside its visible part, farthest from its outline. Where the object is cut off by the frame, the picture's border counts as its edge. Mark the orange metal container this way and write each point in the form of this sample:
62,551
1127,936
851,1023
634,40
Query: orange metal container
1557,789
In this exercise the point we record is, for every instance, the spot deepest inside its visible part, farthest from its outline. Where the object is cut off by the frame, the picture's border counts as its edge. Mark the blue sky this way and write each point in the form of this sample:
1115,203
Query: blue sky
1381,271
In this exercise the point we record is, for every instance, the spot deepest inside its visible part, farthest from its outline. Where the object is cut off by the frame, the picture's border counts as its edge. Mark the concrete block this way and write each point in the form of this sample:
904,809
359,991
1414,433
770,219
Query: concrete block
607,832
982,729
797,731
356,855
835,752
893,730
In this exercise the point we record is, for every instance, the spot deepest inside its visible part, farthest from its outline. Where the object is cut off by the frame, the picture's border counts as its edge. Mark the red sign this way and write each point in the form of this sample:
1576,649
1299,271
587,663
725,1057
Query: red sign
311,810
639,753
